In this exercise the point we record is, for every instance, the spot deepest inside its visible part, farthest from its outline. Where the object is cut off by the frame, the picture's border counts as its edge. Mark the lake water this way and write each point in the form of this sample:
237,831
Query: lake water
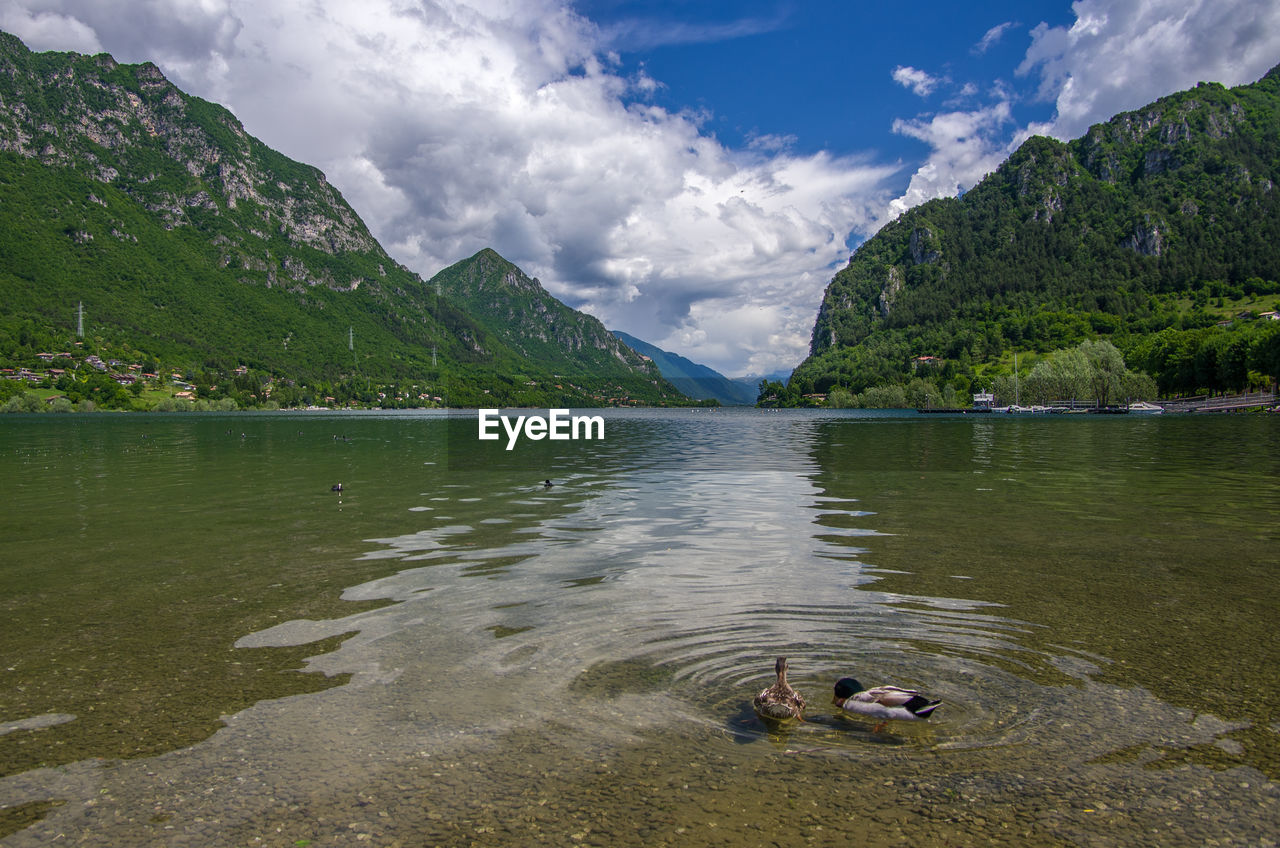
202,645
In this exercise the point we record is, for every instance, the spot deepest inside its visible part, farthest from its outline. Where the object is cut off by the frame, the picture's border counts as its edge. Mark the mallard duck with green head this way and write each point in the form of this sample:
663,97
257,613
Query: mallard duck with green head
886,703
779,702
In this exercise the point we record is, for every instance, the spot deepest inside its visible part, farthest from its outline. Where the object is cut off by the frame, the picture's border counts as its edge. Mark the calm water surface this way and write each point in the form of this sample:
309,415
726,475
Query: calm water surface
202,645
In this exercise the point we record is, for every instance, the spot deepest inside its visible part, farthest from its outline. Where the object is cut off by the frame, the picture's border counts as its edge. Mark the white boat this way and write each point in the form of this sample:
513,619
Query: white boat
1144,408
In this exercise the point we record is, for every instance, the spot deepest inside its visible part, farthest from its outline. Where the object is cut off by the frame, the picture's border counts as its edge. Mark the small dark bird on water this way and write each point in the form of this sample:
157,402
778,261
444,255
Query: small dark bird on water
547,484
336,487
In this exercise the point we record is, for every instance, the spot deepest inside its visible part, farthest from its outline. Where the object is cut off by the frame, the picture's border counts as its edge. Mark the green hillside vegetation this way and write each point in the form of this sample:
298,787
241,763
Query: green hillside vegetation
196,249
574,346
1158,231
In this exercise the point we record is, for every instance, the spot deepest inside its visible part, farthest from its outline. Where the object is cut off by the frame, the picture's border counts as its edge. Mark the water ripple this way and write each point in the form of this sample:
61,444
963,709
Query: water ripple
700,582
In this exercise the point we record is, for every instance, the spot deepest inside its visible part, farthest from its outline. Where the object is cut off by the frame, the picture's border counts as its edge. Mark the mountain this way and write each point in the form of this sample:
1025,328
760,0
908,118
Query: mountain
751,382
1148,231
194,247
696,381
518,310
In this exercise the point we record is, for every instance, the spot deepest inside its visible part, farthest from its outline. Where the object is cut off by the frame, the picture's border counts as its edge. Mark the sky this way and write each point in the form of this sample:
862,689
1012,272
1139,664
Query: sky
692,173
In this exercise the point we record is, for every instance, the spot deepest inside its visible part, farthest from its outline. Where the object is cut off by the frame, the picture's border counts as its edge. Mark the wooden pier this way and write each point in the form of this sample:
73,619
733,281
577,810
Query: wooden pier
1223,403
1202,403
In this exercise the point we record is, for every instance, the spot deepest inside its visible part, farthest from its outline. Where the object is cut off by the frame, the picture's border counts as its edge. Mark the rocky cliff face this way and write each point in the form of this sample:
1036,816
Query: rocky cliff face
182,158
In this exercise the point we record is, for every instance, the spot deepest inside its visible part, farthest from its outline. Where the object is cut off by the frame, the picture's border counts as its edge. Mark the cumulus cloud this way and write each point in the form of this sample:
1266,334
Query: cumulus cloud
180,35
453,125
919,82
46,29
1120,56
965,147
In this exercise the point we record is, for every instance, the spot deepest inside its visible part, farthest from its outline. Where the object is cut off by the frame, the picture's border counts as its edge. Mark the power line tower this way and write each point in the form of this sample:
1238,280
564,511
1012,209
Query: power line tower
80,320
436,330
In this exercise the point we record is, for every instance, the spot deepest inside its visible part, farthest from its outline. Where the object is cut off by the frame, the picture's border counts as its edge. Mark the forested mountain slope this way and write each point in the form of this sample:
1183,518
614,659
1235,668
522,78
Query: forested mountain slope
1149,231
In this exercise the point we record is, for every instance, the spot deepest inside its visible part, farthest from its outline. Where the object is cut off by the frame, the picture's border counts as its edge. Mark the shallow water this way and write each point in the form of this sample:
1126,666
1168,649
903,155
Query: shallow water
495,662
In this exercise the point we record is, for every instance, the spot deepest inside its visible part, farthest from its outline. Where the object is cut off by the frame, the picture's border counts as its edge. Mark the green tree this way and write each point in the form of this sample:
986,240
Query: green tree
922,394
1106,370
883,397
1264,352
25,402
840,398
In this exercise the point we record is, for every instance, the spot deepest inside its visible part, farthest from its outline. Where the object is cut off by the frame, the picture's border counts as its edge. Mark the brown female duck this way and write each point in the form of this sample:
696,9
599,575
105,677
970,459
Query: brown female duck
779,702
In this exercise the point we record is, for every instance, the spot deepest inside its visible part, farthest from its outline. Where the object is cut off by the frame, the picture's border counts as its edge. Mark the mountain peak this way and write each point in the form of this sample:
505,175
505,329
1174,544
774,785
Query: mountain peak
11,44
515,307
489,270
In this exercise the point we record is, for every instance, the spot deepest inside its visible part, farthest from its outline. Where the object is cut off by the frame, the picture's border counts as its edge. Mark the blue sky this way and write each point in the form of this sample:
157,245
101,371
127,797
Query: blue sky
690,172
821,73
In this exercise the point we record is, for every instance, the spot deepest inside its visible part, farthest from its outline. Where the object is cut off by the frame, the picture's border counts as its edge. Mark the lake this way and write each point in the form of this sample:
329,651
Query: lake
202,644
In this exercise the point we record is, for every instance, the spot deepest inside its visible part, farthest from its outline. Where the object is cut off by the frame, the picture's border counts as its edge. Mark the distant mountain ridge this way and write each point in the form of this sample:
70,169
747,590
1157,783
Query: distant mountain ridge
695,380
752,381
1128,231
193,244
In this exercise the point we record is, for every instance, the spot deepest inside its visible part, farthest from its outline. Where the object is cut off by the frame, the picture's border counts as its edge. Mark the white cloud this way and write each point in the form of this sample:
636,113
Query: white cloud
646,33
763,327
965,147
452,125
992,36
1121,56
48,30
919,82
